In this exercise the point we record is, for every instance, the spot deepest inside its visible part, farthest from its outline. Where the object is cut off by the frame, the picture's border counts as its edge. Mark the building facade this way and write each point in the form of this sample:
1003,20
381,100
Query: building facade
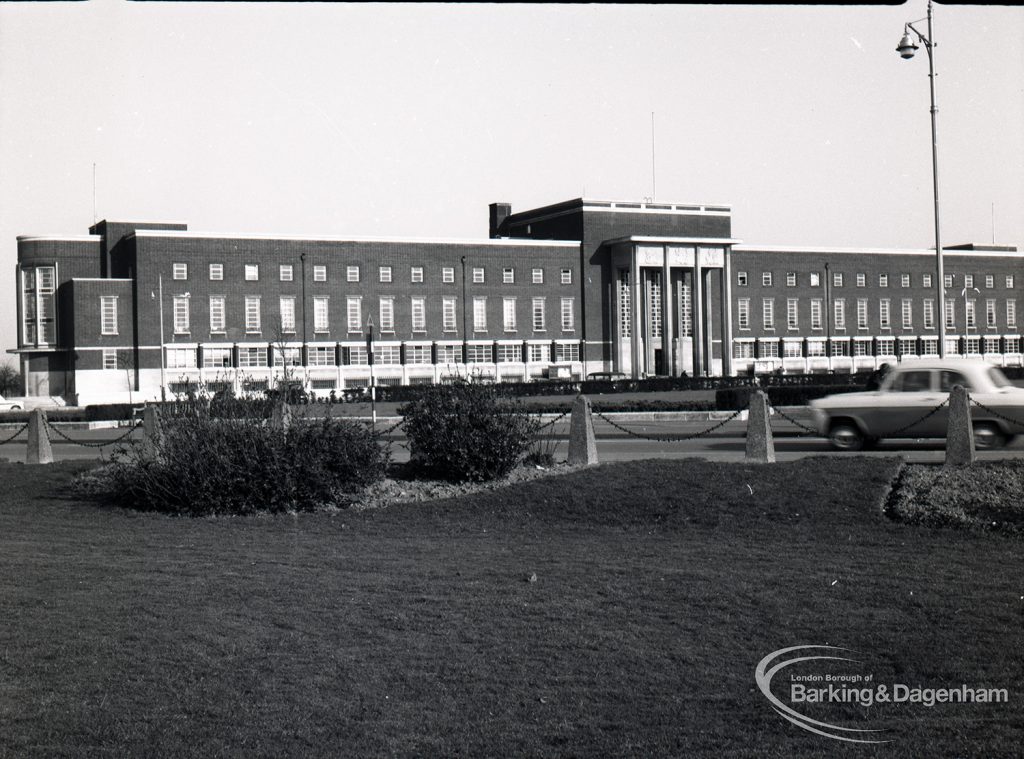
133,311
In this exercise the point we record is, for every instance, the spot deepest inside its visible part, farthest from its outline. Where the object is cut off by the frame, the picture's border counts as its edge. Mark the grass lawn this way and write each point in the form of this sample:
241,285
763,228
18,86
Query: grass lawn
415,630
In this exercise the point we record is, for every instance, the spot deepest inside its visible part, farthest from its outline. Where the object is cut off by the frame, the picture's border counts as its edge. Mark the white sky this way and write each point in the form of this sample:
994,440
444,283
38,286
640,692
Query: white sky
409,119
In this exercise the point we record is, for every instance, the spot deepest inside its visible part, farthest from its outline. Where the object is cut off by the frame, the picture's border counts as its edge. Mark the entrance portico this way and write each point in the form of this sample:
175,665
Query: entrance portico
665,294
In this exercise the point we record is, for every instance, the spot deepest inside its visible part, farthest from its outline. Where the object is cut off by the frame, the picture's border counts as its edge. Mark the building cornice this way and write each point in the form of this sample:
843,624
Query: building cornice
484,241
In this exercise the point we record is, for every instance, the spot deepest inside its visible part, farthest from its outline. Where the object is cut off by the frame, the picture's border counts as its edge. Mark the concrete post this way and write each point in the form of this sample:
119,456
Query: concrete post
760,444
150,423
39,451
282,418
959,431
582,445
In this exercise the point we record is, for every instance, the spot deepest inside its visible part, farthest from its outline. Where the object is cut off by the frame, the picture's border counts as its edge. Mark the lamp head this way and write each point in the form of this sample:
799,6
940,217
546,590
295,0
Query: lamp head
906,48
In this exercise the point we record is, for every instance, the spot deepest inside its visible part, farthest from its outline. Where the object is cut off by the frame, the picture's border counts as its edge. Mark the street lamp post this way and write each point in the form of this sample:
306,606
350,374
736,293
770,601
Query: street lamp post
369,358
163,363
906,49
828,321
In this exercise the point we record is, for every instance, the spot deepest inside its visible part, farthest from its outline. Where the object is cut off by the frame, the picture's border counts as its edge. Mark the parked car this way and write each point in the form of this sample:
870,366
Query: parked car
613,376
899,408
6,405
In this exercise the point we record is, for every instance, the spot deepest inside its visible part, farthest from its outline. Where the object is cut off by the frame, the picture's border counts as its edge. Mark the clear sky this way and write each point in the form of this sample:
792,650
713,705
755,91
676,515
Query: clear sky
408,120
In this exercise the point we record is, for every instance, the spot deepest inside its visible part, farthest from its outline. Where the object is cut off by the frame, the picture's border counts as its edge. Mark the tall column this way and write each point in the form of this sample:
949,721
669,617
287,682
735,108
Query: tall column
697,308
667,342
617,338
709,353
727,369
635,301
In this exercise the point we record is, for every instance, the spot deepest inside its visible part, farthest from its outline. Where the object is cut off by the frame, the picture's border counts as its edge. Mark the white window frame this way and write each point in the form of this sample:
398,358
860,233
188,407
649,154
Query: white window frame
352,273
743,313
216,272
384,274
566,276
416,274
180,312
321,314
537,276
218,313
253,317
252,272
508,275
418,310
538,309
386,311
508,314
354,313
448,314
286,305
447,275
568,308
320,273
179,271
478,275
768,313
286,272
480,313
108,314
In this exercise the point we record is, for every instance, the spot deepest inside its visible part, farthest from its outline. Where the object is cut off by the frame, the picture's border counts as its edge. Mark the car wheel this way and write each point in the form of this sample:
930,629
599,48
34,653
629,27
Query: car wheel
846,437
988,436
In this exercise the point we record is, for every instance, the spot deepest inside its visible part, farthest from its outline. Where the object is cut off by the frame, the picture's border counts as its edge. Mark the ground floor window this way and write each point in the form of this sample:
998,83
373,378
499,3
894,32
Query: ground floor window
768,349
743,350
540,353
567,352
479,354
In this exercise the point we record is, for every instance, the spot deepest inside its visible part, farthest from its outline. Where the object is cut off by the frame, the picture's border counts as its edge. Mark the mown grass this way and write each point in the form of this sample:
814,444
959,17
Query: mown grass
414,630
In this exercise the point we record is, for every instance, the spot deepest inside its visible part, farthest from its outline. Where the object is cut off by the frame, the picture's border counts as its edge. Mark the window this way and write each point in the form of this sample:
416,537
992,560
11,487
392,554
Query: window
1011,313
926,280
792,314
950,314
479,314
815,279
861,347
790,279
862,279
447,275
625,320
285,272
110,358
416,274
904,280
1012,344
216,272
352,273
478,276
321,355
862,313
815,314
108,315
448,314
768,349
356,356
181,320
538,315
991,345
508,276
321,318
38,305
766,279
319,273
508,306
969,308
968,280
947,280
792,349
417,354
384,273
972,345
990,313
929,313
815,348
419,315
1009,281
839,315
387,314
510,354
568,315
837,279
743,313
538,276
840,347
907,312
354,305
566,276
252,314
179,271
287,356
990,281
884,316
741,279
479,354
913,382
387,354
216,313
252,272
883,280
449,354
287,314
539,353
252,356
768,313
567,352
743,349
929,346
216,358
886,346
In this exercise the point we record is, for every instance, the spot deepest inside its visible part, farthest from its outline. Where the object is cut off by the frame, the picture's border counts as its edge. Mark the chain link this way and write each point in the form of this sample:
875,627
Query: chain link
553,421
671,438
995,413
808,431
21,429
392,428
98,443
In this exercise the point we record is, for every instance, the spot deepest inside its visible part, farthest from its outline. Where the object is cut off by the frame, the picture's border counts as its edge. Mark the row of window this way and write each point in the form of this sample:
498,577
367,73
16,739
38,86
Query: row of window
260,356
838,280
879,346
253,314
884,313
286,273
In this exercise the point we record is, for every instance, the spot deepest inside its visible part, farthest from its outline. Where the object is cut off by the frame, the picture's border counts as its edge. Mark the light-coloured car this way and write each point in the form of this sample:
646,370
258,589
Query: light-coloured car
6,405
906,405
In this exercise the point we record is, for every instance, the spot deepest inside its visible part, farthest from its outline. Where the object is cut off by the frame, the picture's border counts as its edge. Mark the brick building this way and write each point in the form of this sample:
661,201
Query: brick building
559,291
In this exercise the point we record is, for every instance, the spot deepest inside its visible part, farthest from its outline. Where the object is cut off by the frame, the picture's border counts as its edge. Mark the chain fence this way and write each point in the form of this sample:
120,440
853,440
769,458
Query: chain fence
805,430
670,438
997,414
17,432
552,422
94,443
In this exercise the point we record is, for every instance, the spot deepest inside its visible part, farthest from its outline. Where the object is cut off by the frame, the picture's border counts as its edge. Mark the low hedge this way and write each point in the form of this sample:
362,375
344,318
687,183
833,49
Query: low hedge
728,399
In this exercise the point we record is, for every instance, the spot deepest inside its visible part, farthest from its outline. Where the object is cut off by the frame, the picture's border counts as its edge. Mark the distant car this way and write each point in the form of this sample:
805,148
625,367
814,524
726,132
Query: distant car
6,405
612,376
909,391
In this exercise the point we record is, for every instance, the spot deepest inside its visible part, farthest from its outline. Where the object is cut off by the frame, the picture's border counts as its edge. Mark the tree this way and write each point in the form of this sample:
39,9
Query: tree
11,384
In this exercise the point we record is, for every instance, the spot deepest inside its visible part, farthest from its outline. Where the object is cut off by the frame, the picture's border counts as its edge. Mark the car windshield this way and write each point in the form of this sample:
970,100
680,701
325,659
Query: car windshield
912,382
998,378
948,379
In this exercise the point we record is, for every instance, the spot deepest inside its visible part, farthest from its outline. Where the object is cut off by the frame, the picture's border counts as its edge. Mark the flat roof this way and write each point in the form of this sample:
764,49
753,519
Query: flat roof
501,241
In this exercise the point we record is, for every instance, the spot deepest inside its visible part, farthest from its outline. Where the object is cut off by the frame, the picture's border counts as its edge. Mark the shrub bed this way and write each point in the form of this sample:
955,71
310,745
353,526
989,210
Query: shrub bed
466,432
200,464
